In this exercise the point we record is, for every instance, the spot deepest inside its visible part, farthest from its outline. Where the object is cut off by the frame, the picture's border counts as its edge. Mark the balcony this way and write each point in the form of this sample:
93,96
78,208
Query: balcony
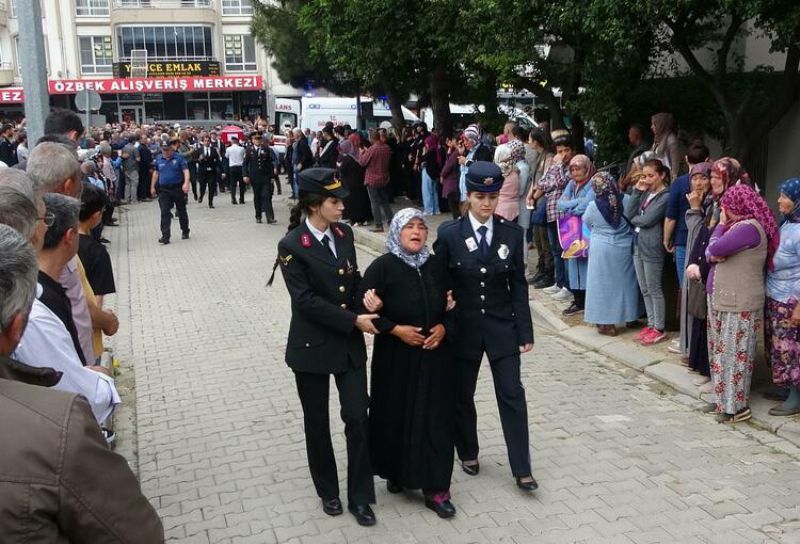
157,11
6,74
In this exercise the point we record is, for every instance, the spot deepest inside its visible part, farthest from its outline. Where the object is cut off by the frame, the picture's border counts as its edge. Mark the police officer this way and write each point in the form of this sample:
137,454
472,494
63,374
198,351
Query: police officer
318,261
171,184
258,171
485,256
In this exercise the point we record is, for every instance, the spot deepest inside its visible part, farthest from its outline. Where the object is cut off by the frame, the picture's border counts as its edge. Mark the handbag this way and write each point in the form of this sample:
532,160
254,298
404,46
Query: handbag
573,234
696,301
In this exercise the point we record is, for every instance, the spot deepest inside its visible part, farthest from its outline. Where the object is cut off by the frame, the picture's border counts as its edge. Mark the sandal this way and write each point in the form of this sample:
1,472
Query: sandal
742,415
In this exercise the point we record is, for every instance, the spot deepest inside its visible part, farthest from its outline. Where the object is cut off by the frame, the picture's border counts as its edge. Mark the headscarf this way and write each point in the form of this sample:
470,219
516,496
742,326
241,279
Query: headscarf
346,148
701,169
744,201
586,163
502,158
399,221
663,124
732,173
355,141
432,143
473,133
517,150
791,188
608,198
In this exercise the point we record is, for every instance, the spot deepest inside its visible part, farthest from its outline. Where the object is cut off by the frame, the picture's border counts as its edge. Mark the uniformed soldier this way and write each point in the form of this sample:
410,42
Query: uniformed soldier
258,171
484,254
318,261
171,176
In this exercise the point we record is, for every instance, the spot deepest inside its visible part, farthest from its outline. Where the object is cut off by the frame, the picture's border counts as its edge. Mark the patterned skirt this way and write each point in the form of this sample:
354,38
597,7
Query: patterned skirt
732,338
783,343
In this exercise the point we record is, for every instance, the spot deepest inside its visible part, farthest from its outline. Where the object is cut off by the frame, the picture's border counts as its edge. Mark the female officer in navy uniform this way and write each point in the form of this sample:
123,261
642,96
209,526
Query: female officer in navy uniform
318,261
484,254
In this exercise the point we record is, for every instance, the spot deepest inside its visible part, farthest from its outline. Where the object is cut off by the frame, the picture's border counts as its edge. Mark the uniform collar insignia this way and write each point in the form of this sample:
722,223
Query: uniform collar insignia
305,240
337,230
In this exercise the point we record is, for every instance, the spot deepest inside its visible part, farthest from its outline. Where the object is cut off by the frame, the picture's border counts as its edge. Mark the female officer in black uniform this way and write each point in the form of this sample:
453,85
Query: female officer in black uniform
318,261
484,254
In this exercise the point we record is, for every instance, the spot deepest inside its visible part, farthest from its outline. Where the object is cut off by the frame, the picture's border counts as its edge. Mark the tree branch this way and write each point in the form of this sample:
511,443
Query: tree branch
682,46
725,48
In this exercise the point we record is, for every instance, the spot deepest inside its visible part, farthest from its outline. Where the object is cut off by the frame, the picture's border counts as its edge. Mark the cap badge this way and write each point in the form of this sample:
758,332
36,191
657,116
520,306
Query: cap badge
333,186
488,181
305,240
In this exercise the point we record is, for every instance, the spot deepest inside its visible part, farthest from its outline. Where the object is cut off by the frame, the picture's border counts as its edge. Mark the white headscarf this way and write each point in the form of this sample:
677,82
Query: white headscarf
400,220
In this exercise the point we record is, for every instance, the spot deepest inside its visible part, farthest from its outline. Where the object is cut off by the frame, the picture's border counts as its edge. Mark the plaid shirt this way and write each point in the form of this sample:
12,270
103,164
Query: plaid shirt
553,183
375,161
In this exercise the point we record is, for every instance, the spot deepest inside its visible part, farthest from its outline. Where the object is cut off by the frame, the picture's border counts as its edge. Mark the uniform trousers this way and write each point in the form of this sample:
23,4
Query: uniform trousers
234,177
208,178
262,200
313,390
169,195
192,165
512,406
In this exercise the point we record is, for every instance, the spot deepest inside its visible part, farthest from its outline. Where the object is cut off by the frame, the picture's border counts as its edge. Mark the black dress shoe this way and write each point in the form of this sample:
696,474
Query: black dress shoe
185,235
392,487
443,509
163,240
547,281
200,201
332,507
271,221
363,514
233,202
472,469
210,205
527,486
258,220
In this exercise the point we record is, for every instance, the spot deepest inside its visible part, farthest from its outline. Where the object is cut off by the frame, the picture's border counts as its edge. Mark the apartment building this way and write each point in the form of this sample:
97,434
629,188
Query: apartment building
200,59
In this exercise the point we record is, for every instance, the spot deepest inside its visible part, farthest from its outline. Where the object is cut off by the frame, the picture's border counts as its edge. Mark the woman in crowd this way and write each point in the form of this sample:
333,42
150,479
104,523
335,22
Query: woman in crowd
542,147
745,238
318,260
694,340
431,167
510,157
782,309
574,201
412,399
357,210
612,294
666,147
451,173
646,209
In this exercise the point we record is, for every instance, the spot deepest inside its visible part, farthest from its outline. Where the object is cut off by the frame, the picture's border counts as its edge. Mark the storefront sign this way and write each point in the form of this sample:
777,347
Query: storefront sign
15,95
170,69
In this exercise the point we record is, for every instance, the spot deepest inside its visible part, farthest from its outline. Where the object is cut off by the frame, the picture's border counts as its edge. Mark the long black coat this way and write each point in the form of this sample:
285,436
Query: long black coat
491,294
323,337
412,399
356,204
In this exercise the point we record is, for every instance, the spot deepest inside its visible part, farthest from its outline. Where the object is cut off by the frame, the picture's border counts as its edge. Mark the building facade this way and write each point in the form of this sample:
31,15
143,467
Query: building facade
150,60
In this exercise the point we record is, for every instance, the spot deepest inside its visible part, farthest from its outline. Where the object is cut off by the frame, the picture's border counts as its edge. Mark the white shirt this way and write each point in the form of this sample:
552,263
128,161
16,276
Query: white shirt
477,224
318,234
235,155
46,343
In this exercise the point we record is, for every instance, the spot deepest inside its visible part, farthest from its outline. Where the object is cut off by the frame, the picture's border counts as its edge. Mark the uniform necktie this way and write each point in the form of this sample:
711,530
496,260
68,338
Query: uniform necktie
483,244
327,243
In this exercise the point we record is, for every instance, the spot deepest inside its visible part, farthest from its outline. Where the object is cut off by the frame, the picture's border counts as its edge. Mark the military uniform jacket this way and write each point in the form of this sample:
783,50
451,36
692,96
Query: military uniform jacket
491,294
323,337
258,165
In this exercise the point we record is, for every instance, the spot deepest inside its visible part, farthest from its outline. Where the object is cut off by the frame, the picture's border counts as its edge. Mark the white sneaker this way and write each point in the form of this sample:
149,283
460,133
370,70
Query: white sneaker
562,295
552,290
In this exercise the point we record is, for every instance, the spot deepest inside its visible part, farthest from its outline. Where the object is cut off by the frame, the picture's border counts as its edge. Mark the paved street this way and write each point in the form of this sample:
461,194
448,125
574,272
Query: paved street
220,445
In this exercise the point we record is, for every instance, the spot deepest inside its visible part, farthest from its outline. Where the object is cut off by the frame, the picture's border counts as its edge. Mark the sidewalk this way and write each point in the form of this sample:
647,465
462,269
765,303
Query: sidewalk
655,362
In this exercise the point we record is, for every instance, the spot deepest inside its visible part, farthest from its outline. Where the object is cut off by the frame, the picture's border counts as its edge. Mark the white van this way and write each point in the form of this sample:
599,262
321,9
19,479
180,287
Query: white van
317,111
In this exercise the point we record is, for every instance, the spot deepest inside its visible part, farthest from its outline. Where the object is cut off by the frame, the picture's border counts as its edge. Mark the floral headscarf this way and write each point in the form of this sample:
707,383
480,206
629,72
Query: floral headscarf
744,201
517,150
346,148
608,198
503,159
791,188
355,140
586,163
399,221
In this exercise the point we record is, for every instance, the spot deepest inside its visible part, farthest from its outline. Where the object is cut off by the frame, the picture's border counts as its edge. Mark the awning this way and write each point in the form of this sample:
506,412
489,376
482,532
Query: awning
15,95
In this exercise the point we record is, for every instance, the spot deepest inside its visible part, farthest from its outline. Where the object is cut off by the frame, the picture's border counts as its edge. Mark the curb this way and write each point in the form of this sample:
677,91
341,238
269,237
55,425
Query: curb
652,363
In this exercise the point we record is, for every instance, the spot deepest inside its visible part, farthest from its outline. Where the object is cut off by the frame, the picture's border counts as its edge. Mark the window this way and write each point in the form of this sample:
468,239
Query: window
240,53
96,55
19,57
237,7
166,42
92,8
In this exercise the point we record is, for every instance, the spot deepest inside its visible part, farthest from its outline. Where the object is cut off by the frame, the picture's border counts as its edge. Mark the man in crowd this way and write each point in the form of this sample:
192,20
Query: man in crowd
186,147
7,153
145,168
170,183
235,156
57,469
302,158
375,161
208,164
131,160
258,171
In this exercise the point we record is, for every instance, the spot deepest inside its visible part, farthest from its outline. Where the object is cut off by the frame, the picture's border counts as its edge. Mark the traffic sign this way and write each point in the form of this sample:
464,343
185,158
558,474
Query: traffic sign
88,100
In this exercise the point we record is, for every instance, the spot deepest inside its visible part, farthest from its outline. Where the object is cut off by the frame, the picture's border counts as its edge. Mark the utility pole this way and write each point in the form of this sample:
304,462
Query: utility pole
33,68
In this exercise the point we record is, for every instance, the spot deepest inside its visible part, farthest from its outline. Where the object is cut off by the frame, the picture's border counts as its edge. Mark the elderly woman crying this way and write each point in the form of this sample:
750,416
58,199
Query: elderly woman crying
412,405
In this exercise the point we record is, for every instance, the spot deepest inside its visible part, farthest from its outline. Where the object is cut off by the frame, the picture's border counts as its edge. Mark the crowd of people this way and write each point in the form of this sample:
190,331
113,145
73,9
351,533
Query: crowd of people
61,480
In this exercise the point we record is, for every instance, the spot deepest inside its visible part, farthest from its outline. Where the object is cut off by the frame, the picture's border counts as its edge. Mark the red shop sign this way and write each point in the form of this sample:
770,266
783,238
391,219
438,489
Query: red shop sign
15,95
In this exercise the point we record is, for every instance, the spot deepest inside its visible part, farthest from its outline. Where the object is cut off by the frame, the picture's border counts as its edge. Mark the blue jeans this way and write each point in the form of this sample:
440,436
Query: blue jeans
430,198
295,183
559,266
680,263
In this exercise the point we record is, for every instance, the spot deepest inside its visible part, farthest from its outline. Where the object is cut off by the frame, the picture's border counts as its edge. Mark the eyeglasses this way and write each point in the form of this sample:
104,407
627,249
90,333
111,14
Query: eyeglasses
49,218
